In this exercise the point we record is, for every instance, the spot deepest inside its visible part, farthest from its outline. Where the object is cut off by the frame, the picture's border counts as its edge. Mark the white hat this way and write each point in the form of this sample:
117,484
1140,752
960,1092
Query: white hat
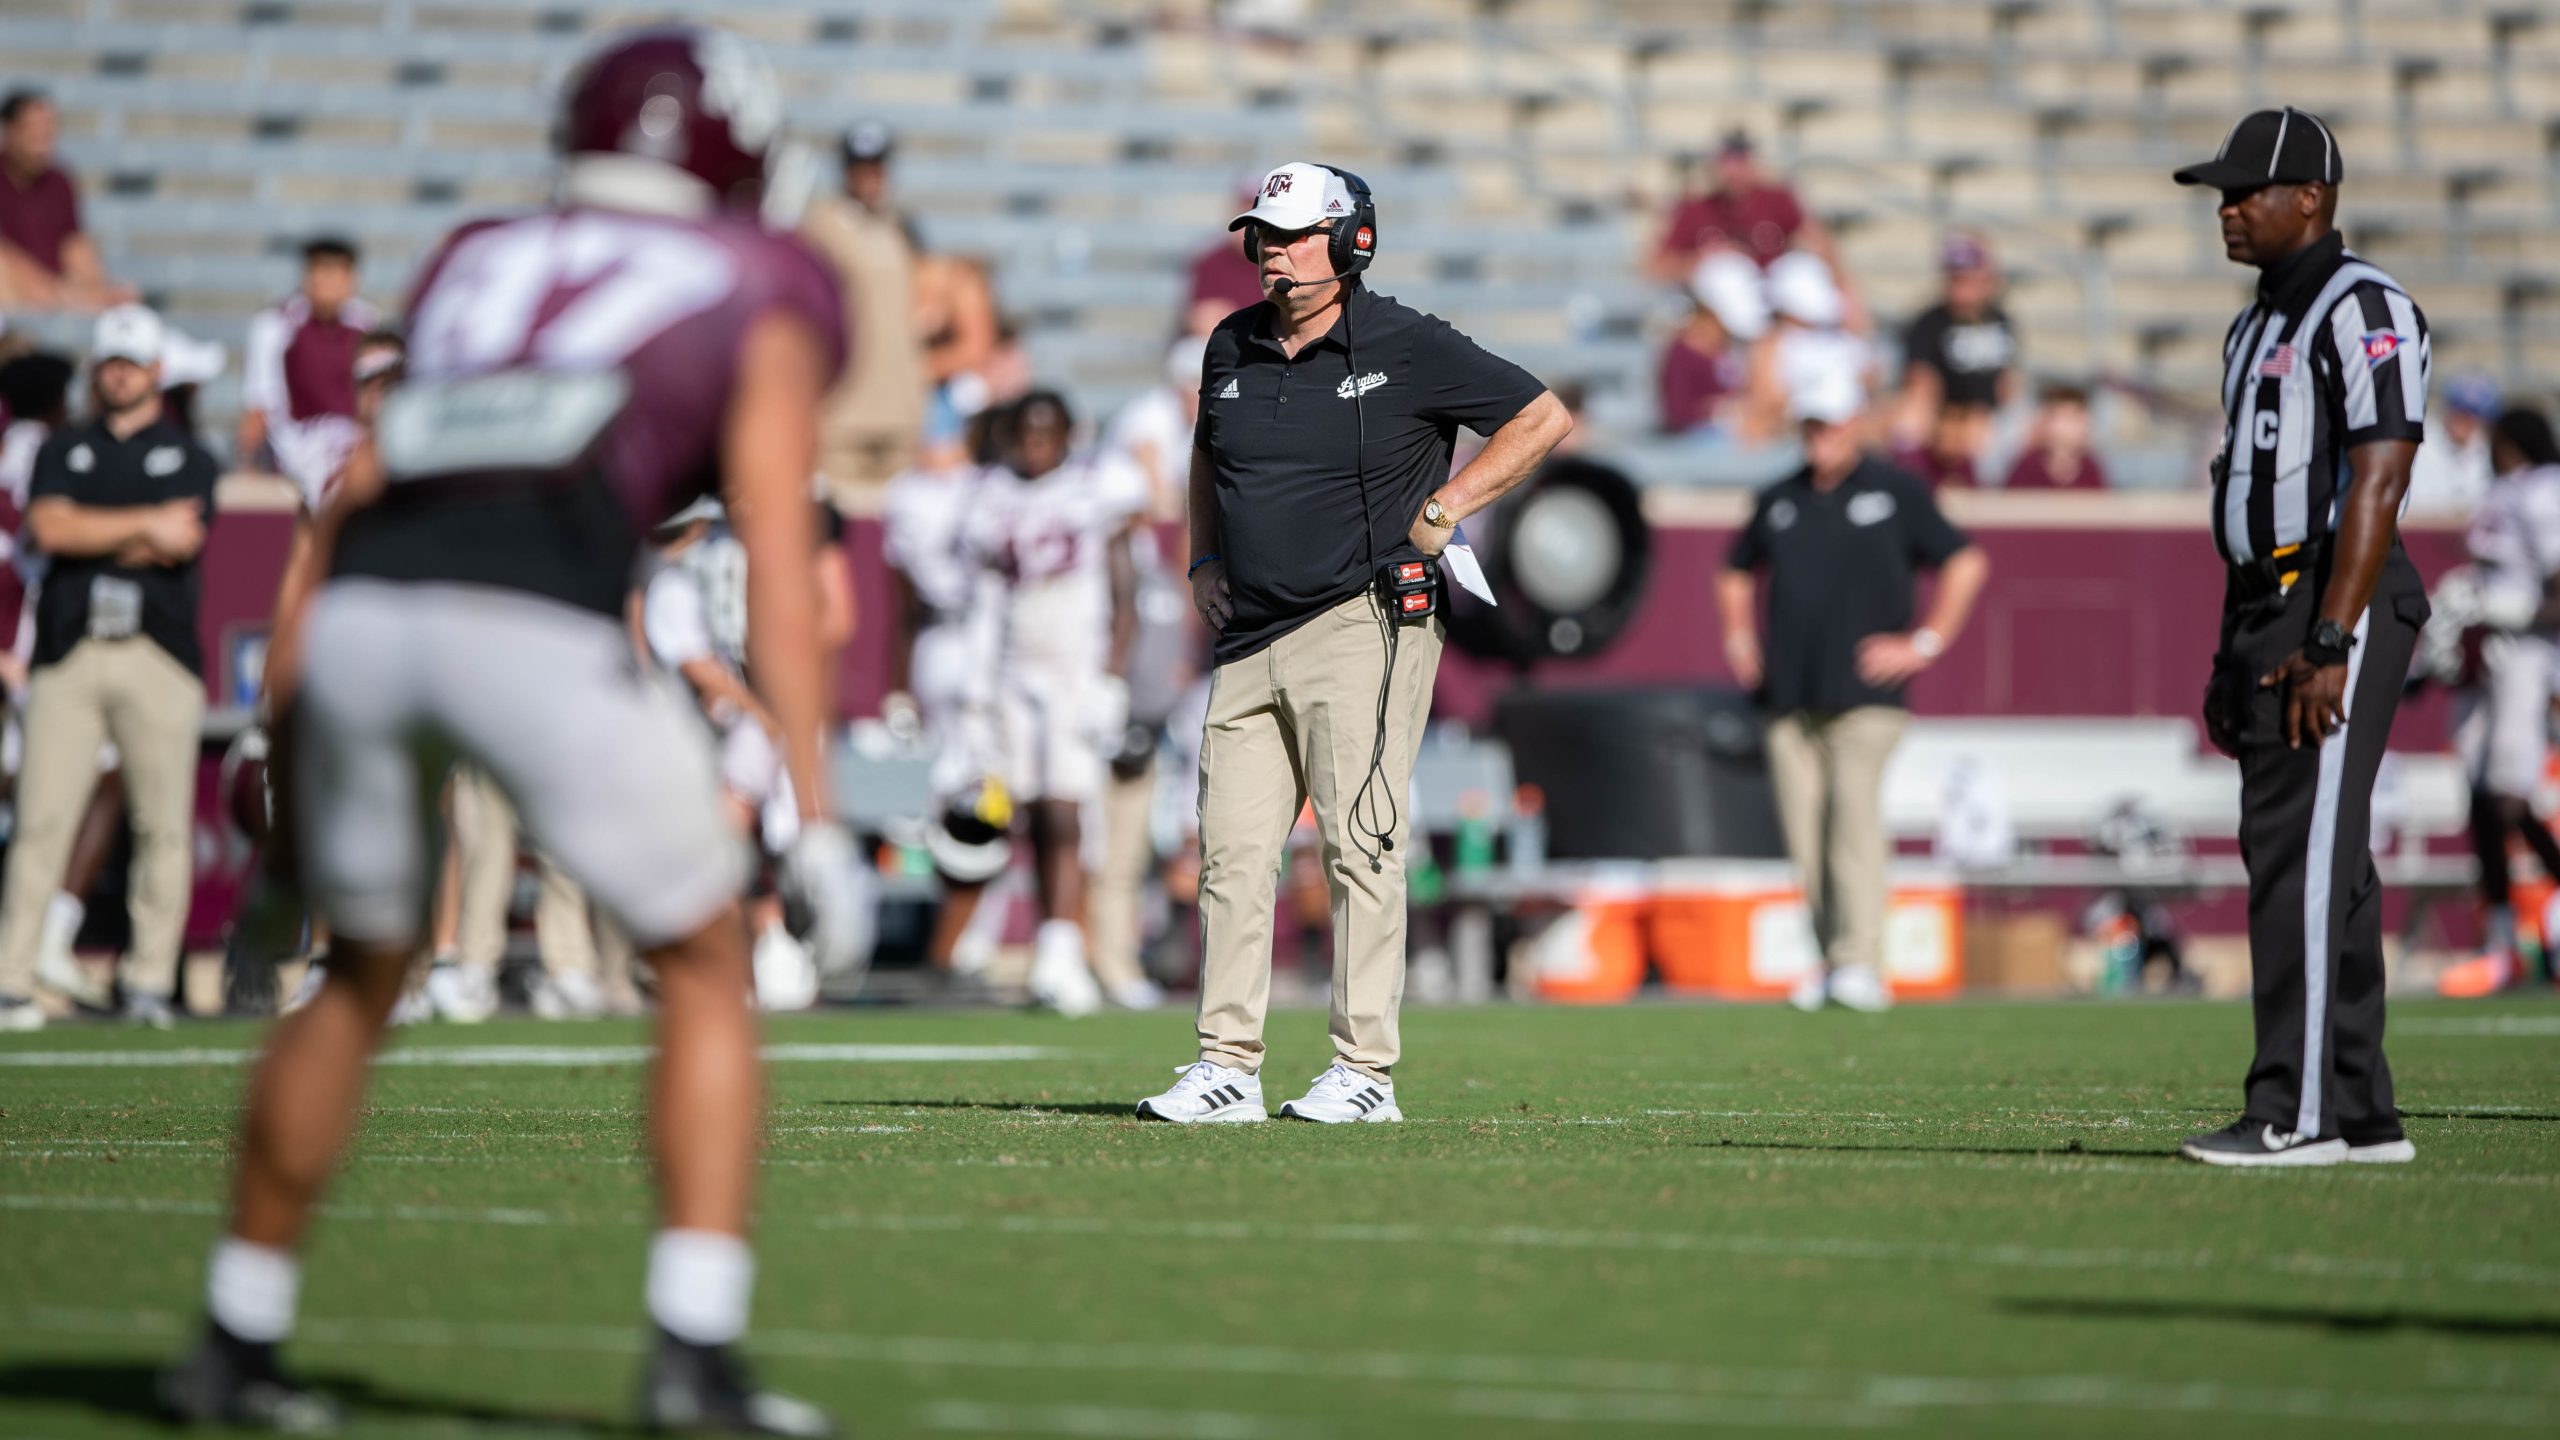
127,332
1801,288
1728,284
1298,196
1182,363
185,360
1829,395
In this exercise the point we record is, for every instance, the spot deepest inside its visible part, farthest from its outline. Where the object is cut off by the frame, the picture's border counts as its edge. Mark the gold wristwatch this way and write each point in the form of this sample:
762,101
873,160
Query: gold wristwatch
1437,515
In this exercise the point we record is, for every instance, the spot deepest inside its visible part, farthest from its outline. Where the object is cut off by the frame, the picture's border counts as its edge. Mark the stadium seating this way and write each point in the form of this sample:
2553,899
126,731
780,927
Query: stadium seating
1524,149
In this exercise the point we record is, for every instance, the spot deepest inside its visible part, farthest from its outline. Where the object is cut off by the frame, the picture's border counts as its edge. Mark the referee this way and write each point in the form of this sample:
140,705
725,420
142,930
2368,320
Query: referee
2324,388
1319,461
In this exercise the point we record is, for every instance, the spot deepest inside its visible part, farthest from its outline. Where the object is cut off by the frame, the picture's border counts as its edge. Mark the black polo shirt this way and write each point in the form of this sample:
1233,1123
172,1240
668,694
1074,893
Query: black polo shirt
87,465
1284,437
1840,569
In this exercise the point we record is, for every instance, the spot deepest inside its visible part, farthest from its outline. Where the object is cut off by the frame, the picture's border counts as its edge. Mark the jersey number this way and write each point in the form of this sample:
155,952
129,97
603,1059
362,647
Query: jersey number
577,292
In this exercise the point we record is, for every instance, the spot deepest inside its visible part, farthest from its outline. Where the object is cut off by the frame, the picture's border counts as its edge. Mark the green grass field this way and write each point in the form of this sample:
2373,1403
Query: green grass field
1956,1220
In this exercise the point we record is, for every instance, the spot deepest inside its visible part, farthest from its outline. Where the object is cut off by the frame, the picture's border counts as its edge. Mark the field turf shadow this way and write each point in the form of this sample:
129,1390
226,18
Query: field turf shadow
2064,1151
1081,1107
2349,1321
131,1390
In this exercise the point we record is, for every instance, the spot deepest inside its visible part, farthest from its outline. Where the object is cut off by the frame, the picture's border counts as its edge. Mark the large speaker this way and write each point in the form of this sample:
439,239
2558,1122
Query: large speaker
1645,773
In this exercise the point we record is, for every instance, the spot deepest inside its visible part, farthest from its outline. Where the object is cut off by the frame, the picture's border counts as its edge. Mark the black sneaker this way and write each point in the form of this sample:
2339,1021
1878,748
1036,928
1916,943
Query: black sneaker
226,1380
2255,1142
705,1390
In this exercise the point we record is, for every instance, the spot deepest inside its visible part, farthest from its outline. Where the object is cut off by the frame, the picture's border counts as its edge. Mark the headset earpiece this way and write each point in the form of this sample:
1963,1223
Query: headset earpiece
1355,236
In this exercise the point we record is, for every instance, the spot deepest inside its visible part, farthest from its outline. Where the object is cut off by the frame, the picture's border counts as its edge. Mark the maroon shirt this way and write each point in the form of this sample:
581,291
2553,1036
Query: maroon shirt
320,368
1761,223
1224,275
1692,381
37,218
2034,471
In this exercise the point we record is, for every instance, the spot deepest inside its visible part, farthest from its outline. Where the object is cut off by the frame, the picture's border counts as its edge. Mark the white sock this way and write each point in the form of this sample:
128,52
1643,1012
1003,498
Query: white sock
250,1290
699,1285
1059,936
62,916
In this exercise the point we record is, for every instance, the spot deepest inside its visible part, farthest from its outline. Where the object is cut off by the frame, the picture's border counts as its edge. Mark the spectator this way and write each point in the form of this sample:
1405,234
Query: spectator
1841,540
2057,456
121,505
298,372
1223,281
869,427
1959,365
46,260
2453,468
956,314
1706,369
1748,210
1154,431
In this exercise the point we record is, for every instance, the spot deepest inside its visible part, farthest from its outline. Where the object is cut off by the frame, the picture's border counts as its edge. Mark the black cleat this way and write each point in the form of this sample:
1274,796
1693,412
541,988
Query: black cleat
705,1390
2257,1142
226,1380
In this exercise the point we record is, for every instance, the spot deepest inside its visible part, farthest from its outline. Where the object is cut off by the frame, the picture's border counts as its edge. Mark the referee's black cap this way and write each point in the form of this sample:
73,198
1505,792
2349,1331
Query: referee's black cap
2272,147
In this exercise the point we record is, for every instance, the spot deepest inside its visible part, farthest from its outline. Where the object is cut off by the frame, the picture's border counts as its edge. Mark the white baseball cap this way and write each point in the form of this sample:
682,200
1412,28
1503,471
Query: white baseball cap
127,332
1828,396
1801,288
1728,284
1298,196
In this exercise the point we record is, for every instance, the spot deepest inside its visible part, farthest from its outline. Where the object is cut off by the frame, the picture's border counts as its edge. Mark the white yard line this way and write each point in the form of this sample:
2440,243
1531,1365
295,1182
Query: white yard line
1561,1389
1113,1422
534,1055
2509,1026
1842,1249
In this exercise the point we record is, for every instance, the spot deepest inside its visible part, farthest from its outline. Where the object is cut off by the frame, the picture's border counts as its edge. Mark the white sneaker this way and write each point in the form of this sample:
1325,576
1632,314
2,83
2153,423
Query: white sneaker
1343,1096
1138,994
1813,990
571,996
19,1015
1860,988
459,995
414,1008
1060,980
2382,1152
1208,1094
152,1012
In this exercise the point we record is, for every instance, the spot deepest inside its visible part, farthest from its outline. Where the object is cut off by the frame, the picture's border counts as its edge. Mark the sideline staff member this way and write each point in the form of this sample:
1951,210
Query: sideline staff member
121,505
1842,539
1322,454
2324,385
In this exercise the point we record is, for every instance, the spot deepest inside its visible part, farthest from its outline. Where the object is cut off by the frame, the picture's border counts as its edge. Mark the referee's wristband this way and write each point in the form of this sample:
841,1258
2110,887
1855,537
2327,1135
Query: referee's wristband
1196,564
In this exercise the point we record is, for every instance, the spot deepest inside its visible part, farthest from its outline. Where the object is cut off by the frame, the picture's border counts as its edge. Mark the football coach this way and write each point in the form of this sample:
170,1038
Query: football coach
1321,499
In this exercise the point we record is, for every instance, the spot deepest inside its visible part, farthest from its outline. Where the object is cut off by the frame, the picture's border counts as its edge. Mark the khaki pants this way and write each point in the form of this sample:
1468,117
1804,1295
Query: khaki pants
568,938
1119,886
132,692
1829,773
1292,724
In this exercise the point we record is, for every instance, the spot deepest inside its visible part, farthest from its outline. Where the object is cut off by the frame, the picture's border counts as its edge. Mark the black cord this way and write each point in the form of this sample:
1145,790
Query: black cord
1364,805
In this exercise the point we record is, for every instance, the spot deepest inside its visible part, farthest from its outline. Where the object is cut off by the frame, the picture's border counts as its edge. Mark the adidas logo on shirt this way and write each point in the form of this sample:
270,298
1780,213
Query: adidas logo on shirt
1232,390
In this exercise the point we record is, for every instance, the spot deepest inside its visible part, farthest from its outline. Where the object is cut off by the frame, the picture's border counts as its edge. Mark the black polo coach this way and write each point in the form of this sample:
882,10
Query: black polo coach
2324,393
1320,494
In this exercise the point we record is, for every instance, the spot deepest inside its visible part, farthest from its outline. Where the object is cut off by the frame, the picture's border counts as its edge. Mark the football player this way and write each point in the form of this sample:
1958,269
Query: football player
575,375
1048,539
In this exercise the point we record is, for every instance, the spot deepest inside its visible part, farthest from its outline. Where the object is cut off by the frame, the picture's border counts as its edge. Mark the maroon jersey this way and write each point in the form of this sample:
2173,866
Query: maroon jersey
569,376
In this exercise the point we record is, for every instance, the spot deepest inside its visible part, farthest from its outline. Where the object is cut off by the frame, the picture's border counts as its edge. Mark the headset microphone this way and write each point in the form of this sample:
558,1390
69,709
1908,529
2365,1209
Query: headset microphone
1283,285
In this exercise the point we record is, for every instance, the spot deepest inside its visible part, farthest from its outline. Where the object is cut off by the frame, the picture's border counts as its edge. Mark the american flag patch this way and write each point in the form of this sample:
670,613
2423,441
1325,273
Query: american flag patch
2277,361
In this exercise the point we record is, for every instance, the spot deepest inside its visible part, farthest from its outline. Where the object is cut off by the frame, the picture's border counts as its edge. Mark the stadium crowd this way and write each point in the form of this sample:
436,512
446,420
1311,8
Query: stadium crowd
1044,652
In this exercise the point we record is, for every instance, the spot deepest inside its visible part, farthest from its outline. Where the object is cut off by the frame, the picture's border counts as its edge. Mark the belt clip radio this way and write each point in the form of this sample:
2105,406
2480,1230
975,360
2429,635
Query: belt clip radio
1409,589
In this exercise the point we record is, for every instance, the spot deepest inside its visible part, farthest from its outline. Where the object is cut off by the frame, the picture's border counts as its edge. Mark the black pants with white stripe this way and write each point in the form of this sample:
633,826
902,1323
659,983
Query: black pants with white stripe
2315,903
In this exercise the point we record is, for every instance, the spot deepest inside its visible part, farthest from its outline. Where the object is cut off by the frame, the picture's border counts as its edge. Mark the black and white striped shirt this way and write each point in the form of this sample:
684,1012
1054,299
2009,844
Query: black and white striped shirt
2331,355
